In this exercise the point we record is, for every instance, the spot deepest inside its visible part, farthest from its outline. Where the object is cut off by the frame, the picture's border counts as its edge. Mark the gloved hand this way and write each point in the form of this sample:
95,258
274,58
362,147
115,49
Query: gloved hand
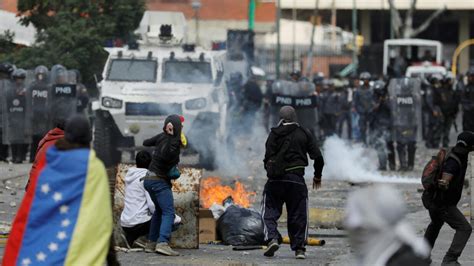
184,140
316,182
443,184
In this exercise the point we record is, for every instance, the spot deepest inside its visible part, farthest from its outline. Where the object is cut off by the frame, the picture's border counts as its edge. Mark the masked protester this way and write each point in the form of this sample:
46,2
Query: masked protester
442,207
378,232
287,148
157,182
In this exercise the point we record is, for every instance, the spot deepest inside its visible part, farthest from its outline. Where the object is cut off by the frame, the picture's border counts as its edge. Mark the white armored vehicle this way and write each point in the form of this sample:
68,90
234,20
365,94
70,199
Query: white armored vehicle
161,76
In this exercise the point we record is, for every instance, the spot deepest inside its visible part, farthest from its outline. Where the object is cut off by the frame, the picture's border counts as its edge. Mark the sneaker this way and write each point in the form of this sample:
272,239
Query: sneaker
141,242
165,249
300,254
150,247
449,261
271,248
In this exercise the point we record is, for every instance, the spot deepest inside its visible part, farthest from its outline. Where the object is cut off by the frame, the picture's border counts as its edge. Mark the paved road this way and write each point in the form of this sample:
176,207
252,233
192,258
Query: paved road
332,196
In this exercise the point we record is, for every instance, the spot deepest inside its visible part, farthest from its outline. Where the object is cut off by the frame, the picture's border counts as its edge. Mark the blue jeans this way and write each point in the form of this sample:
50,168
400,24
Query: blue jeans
163,218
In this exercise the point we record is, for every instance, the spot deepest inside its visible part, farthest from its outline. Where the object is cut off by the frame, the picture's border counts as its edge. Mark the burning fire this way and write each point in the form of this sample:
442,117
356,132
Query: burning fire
212,191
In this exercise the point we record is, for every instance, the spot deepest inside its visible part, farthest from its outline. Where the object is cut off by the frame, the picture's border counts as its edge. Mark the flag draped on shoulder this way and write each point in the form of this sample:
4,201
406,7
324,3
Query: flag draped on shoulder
66,217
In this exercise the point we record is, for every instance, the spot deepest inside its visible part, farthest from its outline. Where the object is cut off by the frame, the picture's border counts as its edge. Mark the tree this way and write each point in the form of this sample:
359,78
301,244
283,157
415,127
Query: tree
6,43
73,32
405,29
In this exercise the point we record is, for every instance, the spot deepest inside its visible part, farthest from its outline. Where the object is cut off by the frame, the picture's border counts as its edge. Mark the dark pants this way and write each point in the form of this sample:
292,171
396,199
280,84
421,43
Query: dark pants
436,132
441,131
293,192
345,117
133,233
35,139
163,217
456,220
19,152
406,154
329,124
467,120
363,126
3,149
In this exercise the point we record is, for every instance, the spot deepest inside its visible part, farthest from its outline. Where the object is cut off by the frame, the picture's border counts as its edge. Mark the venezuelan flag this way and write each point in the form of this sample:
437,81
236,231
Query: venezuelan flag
65,217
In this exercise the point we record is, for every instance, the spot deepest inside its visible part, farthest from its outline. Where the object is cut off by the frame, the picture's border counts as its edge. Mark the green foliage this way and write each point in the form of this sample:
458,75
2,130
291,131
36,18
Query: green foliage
6,42
73,32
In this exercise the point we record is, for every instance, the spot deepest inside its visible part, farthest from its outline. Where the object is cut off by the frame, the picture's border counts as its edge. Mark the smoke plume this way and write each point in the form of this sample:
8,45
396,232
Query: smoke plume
354,163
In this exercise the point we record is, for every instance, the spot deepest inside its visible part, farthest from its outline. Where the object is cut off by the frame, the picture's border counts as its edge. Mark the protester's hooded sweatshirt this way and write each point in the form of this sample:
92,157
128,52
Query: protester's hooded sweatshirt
48,140
302,143
167,148
138,206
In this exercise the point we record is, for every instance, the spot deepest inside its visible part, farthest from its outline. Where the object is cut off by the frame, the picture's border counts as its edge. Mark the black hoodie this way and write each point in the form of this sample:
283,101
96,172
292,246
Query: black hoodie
167,148
302,144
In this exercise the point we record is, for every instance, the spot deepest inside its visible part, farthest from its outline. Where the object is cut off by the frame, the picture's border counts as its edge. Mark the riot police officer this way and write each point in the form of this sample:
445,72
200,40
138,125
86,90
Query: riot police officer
447,100
82,94
405,102
38,92
467,101
16,122
364,103
6,69
433,102
331,106
381,128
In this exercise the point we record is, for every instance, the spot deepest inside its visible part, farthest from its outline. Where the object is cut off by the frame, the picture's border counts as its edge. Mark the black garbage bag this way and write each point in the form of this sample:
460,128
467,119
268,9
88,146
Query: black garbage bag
240,227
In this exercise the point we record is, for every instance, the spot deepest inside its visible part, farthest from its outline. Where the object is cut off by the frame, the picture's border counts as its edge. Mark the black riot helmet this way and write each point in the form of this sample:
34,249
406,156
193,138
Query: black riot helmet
6,69
470,75
436,79
365,76
41,72
379,88
19,73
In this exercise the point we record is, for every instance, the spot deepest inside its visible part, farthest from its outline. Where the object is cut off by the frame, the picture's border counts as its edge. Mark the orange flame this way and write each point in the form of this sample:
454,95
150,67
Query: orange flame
212,191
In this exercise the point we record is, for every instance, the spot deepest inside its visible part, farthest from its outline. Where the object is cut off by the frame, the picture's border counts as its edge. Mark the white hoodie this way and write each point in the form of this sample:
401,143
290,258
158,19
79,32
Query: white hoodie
138,206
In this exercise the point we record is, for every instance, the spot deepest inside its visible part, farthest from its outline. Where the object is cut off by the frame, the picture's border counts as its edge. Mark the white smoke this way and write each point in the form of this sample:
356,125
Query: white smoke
354,163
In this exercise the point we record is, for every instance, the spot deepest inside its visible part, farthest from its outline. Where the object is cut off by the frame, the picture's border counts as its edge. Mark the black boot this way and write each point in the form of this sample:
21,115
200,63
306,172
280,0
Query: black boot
391,156
411,155
402,157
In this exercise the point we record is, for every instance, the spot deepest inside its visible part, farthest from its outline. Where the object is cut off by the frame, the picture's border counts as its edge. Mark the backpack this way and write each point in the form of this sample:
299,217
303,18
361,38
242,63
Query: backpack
276,164
433,172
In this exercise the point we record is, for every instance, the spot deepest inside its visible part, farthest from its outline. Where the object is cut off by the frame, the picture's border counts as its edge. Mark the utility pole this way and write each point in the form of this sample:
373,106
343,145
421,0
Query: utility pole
278,48
196,4
354,33
252,6
293,55
309,65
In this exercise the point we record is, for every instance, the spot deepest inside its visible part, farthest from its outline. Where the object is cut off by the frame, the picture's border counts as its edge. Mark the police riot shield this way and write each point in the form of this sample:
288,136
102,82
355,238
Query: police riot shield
300,95
16,127
63,94
37,98
405,106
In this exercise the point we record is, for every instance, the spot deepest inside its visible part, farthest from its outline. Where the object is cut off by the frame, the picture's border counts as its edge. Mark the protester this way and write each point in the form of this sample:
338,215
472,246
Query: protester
285,160
138,206
442,206
47,141
67,220
378,232
158,183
